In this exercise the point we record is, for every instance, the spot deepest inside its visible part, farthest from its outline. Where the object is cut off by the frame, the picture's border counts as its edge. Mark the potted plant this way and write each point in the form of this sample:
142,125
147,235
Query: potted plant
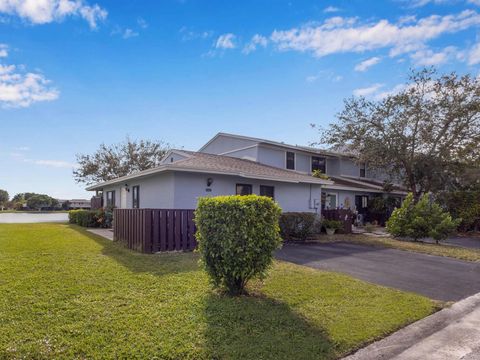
331,226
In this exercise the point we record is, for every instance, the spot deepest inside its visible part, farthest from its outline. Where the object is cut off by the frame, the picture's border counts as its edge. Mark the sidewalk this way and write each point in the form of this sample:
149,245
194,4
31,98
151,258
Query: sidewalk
452,333
106,233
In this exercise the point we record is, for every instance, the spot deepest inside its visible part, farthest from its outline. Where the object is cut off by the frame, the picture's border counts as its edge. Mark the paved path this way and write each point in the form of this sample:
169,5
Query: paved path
464,241
450,334
439,278
106,233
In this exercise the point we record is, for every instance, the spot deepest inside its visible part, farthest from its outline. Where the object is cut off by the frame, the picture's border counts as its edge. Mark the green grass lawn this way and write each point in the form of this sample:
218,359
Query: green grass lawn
68,294
421,247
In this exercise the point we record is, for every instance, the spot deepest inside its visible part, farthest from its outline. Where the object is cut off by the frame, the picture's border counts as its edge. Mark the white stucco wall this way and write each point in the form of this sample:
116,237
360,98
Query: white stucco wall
223,144
156,191
249,154
181,190
190,186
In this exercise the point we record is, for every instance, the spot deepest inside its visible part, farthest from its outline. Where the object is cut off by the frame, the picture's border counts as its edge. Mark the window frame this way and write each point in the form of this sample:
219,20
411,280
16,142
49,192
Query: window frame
294,160
246,185
268,186
136,202
324,164
363,167
111,202
336,200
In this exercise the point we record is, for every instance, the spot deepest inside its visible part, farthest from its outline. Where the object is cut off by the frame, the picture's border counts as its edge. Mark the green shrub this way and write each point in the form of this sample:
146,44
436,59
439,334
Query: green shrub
91,218
297,225
420,220
332,224
236,237
464,205
85,218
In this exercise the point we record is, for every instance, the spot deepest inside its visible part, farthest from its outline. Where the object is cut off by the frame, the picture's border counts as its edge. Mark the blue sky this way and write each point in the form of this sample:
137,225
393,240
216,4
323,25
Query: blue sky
74,74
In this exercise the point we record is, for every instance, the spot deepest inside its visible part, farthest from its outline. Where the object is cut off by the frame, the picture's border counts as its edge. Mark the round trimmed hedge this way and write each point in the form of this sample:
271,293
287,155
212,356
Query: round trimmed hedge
236,238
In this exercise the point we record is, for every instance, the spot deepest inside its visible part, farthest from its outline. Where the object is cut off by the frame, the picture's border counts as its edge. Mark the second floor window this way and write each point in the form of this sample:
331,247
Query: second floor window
319,163
136,197
290,163
110,198
244,189
363,170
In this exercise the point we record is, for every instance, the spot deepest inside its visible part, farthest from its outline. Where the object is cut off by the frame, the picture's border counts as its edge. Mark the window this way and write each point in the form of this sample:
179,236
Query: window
290,163
110,198
363,170
136,197
361,203
331,201
319,163
244,189
267,191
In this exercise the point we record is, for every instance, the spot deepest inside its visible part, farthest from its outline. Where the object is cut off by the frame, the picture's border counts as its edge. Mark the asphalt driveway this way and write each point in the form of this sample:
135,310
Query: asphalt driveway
436,277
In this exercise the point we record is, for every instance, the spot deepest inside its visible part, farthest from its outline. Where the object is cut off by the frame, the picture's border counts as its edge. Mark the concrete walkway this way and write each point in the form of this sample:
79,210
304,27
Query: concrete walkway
106,233
450,334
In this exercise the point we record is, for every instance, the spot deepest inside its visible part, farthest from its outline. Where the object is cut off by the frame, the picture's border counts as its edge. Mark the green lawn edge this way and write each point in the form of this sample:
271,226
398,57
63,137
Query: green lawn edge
67,293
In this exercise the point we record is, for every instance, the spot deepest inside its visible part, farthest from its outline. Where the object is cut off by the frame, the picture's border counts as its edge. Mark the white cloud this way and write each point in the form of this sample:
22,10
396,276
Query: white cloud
226,41
47,11
129,33
22,89
367,91
420,3
331,9
188,35
257,40
311,78
341,35
474,2
47,163
3,50
364,65
53,163
142,23
427,57
473,56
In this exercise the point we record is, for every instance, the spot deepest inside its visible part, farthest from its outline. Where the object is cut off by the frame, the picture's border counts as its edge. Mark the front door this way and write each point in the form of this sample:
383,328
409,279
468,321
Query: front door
123,198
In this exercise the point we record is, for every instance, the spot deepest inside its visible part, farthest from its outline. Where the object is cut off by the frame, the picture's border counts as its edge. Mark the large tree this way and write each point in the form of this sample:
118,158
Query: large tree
112,161
427,134
3,198
40,201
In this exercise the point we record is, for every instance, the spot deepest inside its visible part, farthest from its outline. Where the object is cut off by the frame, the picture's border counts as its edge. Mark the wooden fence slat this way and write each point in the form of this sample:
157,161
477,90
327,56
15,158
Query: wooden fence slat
171,229
155,231
178,230
184,231
163,230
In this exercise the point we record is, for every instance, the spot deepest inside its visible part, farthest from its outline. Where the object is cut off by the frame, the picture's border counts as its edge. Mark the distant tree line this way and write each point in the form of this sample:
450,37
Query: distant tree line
28,200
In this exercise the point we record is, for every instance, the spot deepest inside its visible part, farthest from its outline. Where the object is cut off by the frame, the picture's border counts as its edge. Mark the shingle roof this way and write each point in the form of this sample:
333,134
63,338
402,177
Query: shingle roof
219,164
362,183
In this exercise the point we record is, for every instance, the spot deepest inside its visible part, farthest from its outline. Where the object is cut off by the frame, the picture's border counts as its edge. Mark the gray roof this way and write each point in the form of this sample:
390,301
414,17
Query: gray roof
219,164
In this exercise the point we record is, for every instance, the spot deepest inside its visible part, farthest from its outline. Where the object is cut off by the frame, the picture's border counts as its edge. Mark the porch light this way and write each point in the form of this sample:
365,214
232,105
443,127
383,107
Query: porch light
209,182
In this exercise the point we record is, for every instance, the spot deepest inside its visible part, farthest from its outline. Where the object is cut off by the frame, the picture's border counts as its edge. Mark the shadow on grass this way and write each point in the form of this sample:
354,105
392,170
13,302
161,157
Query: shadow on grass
253,327
244,327
157,264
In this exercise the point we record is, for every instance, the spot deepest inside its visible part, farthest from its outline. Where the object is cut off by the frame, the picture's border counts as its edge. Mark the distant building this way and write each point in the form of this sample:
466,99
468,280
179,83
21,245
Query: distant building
74,204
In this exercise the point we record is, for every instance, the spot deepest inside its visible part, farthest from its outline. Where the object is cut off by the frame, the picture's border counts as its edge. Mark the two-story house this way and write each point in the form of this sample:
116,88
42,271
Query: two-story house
233,164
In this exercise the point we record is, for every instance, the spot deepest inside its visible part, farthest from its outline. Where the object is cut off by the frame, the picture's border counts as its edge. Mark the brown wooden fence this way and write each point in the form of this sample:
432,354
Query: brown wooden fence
343,215
96,202
153,230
